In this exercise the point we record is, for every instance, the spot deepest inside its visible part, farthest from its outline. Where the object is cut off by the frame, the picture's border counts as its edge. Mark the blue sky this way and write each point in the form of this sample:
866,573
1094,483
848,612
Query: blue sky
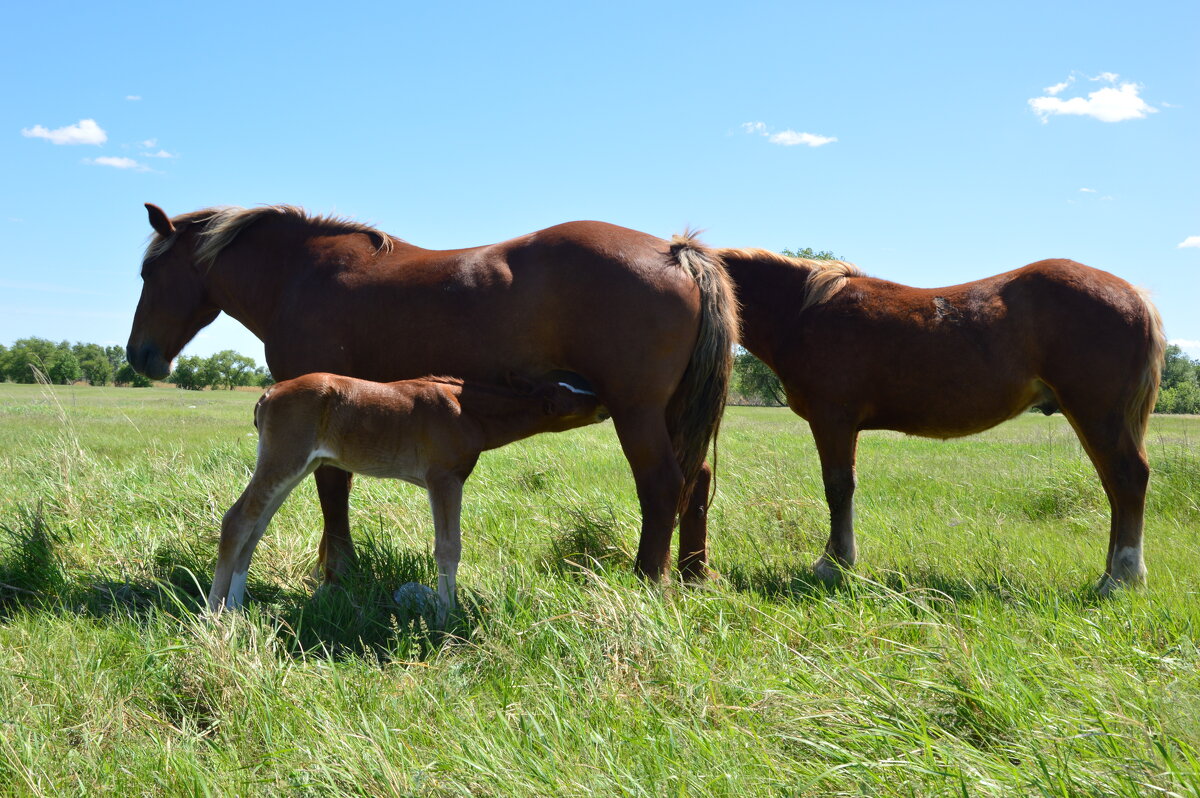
931,143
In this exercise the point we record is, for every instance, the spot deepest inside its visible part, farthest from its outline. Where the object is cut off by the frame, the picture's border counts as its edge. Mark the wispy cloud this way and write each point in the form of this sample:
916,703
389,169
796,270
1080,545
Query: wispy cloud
118,162
160,154
133,97
85,131
1187,345
787,138
1191,242
1088,190
1113,103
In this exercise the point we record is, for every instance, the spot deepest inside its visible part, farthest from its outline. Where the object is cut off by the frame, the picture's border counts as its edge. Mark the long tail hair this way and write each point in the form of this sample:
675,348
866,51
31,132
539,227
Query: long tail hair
1142,400
694,413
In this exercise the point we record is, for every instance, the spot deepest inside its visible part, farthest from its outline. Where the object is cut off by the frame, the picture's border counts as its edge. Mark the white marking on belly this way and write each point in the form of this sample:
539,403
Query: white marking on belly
573,389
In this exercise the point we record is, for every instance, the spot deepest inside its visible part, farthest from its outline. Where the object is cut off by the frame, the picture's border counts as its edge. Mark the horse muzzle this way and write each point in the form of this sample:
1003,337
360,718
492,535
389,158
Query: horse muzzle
148,360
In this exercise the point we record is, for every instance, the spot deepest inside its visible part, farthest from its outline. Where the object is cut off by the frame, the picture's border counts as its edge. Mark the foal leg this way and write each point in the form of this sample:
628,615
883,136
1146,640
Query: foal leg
1119,456
837,447
659,480
241,529
445,499
335,554
693,528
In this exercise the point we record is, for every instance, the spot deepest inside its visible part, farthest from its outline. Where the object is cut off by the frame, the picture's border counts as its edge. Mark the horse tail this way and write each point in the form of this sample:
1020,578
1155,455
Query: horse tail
1145,394
694,412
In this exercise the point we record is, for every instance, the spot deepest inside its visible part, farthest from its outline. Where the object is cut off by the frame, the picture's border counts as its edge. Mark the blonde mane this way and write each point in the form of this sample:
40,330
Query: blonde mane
222,224
825,277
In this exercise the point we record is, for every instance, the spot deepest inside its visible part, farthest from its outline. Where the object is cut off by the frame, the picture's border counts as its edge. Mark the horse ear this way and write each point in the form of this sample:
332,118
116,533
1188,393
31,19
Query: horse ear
159,220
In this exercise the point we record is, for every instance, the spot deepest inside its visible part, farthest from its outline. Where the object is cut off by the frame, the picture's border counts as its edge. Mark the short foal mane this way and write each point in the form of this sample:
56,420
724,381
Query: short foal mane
825,277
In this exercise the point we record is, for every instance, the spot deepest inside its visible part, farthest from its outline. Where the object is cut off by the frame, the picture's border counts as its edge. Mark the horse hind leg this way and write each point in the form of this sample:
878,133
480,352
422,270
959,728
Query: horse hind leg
659,481
445,500
1114,442
837,447
693,528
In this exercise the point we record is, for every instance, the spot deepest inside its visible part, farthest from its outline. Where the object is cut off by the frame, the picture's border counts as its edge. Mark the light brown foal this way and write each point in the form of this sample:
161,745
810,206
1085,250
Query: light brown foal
427,431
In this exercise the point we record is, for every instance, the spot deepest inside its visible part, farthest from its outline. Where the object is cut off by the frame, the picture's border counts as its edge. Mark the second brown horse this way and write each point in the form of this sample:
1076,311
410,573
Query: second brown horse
858,353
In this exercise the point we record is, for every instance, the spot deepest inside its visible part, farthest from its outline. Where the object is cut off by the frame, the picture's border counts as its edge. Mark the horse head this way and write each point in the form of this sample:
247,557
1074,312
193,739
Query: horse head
175,304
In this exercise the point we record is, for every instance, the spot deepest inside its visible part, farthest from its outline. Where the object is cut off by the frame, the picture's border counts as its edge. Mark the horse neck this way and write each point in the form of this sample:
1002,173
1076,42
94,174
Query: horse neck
253,270
770,292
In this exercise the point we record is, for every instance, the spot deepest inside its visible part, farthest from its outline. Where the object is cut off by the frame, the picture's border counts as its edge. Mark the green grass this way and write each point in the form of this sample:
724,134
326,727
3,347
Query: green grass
967,656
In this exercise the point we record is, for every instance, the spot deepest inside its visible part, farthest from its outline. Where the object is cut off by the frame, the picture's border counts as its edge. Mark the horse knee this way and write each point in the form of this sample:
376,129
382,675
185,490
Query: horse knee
840,484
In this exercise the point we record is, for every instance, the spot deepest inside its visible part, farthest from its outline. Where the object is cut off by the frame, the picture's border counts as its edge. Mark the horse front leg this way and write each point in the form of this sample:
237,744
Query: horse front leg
335,553
241,529
659,480
693,528
445,500
837,447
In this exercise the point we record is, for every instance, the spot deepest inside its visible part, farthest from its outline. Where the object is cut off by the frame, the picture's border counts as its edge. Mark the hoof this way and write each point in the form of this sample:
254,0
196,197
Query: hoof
828,570
1128,570
1109,584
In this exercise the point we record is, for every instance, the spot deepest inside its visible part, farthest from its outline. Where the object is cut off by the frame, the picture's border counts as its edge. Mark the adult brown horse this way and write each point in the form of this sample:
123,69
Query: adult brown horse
857,353
648,323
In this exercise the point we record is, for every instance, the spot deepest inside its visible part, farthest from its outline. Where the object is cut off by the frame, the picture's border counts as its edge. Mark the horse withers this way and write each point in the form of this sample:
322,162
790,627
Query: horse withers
427,431
858,353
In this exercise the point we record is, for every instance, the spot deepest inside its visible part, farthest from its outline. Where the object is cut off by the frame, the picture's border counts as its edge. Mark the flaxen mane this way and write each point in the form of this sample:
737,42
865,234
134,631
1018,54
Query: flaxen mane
221,225
825,277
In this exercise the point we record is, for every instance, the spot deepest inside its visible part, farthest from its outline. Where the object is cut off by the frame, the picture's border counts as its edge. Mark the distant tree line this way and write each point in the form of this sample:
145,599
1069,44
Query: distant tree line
64,363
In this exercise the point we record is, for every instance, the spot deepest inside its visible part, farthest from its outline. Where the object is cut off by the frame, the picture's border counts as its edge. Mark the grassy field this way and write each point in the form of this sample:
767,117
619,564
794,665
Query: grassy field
967,656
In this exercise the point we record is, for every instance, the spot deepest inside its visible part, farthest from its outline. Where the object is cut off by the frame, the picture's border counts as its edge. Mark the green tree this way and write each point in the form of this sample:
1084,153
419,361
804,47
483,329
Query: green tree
93,362
55,361
116,357
1180,388
3,362
230,369
191,373
125,376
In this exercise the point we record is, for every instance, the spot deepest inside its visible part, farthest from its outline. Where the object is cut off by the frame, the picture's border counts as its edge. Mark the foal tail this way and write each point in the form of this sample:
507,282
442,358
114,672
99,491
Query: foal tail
694,413
1145,394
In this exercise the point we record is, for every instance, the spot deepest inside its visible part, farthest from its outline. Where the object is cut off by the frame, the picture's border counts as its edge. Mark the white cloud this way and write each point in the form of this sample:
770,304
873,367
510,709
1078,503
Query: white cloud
1088,190
133,97
1058,87
1192,348
1191,242
118,162
159,154
790,138
1113,103
86,131
787,138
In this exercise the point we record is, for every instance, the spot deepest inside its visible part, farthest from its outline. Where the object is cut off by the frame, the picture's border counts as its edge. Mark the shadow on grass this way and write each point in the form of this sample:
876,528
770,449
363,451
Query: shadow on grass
801,585
358,617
